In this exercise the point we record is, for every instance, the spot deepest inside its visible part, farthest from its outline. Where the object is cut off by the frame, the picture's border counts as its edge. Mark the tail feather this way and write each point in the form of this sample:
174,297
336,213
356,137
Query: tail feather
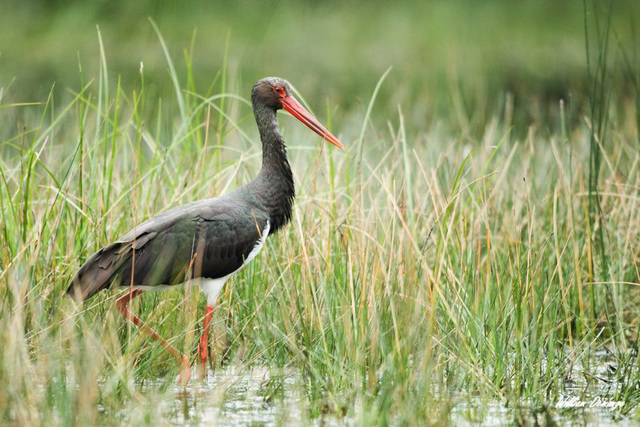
98,272
105,265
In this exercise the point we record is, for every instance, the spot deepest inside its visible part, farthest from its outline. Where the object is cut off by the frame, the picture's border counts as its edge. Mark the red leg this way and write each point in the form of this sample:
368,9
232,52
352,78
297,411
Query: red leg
203,348
122,304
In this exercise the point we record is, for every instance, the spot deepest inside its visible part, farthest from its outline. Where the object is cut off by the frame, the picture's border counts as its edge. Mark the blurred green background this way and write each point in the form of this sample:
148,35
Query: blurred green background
475,51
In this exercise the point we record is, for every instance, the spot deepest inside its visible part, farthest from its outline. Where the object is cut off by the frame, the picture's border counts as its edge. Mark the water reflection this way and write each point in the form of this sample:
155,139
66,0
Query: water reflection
259,395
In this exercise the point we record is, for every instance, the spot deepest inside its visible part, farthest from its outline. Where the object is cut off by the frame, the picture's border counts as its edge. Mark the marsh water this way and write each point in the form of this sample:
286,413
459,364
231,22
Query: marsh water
263,396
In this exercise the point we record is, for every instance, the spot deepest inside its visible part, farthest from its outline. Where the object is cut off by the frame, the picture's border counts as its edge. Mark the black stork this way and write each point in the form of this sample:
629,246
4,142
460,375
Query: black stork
206,241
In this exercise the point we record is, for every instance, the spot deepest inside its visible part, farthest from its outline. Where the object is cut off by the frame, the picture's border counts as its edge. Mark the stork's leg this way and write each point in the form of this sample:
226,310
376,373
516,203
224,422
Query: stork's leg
122,304
203,348
211,288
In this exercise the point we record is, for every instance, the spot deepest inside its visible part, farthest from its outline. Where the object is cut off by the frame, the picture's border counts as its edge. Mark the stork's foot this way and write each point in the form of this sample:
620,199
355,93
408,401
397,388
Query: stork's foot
203,345
203,353
185,374
203,350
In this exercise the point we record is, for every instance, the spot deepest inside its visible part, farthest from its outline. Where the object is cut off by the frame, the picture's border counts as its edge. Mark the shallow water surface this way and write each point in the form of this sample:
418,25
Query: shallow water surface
263,396
234,395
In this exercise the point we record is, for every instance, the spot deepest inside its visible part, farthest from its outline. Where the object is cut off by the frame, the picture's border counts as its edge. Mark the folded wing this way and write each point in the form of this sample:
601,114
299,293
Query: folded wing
210,238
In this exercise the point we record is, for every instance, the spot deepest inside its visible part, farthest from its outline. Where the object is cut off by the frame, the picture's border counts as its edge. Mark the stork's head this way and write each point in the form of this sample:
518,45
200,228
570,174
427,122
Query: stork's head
275,93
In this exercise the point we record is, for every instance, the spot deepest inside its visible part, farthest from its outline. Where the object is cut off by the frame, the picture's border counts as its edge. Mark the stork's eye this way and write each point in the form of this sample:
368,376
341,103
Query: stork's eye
279,90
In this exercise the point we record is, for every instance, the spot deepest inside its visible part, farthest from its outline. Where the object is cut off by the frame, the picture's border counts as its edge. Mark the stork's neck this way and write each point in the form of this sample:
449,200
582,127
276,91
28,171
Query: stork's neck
275,180
274,153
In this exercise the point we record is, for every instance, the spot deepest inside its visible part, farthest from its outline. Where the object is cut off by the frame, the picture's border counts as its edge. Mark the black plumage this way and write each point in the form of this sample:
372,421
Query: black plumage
208,238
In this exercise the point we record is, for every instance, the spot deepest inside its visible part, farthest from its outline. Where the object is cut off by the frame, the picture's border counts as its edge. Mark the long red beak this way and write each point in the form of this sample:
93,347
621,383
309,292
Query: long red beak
290,104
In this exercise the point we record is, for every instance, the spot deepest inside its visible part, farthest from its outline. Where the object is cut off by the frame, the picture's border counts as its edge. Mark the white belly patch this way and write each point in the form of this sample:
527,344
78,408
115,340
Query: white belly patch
258,247
211,288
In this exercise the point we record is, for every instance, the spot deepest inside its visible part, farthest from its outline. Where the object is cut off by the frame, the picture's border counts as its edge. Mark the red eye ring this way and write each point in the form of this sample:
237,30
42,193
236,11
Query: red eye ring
279,90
